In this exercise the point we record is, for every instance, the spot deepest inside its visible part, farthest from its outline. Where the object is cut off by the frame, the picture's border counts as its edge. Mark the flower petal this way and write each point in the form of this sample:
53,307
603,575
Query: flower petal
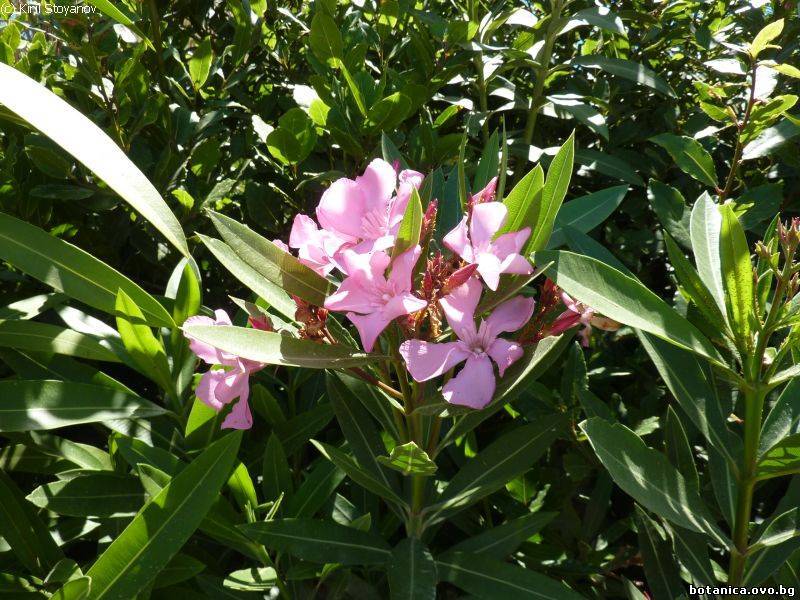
516,264
505,353
486,221
342,207
240,416
353,294
457,240
369,327
403,304
459,308
205,352
426,360
377,184
510,315
490,267
510,243
473,386
407,180
218,387
403,267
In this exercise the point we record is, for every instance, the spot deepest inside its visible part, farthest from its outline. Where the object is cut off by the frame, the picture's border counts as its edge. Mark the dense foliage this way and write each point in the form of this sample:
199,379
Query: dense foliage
154,157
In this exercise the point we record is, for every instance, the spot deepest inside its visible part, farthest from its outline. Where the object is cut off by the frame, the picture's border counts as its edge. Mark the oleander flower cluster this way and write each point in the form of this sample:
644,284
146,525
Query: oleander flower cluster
425,299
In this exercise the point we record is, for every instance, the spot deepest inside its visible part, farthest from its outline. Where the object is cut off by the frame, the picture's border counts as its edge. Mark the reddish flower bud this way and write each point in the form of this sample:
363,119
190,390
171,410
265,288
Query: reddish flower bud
460,277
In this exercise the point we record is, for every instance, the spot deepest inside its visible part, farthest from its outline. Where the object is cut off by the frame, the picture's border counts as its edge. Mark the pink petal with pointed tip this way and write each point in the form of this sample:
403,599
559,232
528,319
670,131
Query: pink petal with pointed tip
510,315
377,184
403,267
457,240
486,221
459,308
218,387
516,264
504,353
510,243
351,295
426,360
473,386
369,327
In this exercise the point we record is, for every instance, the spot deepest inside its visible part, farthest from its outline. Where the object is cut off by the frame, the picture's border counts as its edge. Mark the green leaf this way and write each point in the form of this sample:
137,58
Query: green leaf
647,476
692,385
320,541
486,578
779,529
241,487
694,287
765,37
678,449
412,572
38,405
621,298
586,213
252,580
690,156
276,349
663,575
279,267
74,589
705,225
69,269
504,539
188,296
317,489
599,16
22,529
276,476
788,70
86,142
200,63
524,202
559,174
504,459
353,86
116,13
295,432
387,113
143,347
594,160
43,337
411,226
783,419
264,288
670,207
359,429
159,531
627,69
771,139
409,459
489,163
783,458
692,551
181,568
359,474
96,494
737,274
325,39
294,138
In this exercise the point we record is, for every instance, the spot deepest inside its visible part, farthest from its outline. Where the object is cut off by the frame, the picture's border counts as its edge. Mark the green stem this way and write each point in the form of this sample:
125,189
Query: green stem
553,28
737,153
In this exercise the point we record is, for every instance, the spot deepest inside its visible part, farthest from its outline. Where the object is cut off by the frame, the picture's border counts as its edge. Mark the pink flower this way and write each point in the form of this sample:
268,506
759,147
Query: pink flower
366,211
475,384
315,247
374,300
576,313
473,240
219,387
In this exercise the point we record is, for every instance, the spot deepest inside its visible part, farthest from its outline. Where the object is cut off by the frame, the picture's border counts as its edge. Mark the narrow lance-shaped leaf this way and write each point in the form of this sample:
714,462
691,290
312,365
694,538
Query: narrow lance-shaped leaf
320,541
411,226
157,533
690,156
279,267
69,269
43,337
412,572
586,213
39,405
662,571
555,188
622,298
86,142
275,349
737,274
648,477
144,348
627,69
705,225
